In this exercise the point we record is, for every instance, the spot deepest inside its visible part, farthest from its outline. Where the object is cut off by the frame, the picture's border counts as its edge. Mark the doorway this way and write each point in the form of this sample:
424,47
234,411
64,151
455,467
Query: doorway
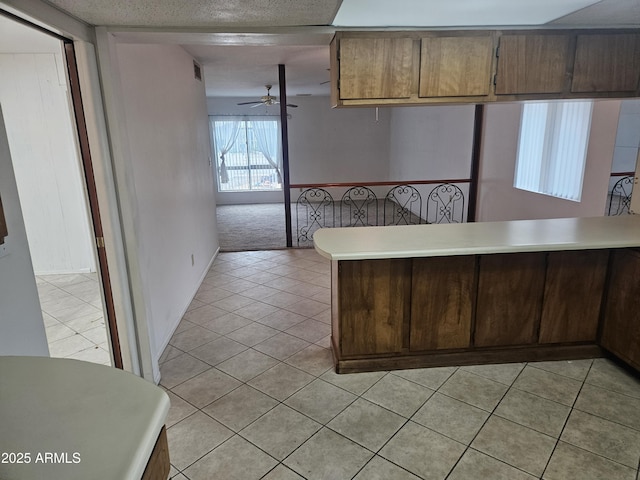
43,121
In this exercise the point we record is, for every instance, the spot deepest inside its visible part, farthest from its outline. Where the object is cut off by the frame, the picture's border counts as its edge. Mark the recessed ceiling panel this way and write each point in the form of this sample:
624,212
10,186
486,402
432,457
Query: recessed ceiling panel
239,71
453,13
604,13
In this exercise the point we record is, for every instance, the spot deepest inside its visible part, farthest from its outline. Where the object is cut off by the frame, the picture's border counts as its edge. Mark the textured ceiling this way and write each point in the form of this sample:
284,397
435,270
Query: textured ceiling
375,13
241,42
201,13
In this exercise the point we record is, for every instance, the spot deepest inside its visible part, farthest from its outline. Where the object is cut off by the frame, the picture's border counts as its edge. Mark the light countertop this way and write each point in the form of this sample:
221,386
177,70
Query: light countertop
102,423
405,241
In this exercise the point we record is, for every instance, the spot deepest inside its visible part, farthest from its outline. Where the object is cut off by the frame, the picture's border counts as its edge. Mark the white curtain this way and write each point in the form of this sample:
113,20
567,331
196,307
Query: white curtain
225,133
268,142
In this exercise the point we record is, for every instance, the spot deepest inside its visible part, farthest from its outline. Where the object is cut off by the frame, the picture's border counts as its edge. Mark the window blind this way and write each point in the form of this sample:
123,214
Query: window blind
552,148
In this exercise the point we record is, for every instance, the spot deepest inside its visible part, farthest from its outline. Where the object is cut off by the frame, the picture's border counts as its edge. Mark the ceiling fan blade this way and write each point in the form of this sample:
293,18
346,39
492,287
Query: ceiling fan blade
249,103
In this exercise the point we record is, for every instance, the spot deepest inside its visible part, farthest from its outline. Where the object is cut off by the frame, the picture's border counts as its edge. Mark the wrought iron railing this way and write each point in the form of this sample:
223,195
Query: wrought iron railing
377,203
620,194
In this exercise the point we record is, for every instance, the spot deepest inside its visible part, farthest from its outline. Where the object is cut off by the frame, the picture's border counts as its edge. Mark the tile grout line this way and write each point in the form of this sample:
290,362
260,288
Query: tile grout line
361,395
468,446
575,400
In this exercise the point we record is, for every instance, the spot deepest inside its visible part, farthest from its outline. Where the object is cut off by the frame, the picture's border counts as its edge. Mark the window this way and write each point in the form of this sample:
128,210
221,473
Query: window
552,149
248,153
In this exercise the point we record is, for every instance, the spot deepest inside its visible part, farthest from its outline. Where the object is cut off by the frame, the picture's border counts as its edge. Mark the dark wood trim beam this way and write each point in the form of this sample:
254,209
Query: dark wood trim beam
284,132
379,184
476,151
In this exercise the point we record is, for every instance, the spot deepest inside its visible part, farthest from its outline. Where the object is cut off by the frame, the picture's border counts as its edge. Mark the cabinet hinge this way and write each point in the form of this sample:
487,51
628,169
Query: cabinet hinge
100,242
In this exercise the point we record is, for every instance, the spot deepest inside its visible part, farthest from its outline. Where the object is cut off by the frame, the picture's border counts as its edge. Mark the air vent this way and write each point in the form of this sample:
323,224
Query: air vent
197,70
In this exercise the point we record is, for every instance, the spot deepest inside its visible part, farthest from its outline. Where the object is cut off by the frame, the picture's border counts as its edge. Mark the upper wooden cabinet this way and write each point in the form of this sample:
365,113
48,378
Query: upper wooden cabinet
412,68
376,67
607,63
532,64
455,66
482,66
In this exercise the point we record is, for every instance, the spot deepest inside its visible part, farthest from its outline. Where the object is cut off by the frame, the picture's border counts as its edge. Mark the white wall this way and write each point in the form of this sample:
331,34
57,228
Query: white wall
328,145
627,140
21,326
165,117
499,200
432,142
41,131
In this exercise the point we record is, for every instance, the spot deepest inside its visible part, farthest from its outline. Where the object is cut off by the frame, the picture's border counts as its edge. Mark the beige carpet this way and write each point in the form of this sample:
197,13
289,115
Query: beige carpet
251,227
262,226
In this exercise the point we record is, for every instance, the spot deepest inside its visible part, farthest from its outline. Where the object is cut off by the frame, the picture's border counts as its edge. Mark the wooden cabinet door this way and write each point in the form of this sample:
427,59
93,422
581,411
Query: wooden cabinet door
573,296
442,298
621,328
455,66
532,64
607,63
376,67
374,298
510,288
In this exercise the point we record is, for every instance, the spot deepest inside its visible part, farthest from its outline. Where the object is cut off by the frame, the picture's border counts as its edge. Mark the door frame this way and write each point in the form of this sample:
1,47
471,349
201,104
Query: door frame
83,145
92,194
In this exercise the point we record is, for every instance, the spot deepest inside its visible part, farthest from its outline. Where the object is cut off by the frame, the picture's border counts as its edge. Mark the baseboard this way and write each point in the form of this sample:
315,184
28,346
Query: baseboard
77,271
182,313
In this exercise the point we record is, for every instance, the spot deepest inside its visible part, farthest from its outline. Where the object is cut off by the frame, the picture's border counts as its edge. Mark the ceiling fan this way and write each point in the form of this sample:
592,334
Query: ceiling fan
267,100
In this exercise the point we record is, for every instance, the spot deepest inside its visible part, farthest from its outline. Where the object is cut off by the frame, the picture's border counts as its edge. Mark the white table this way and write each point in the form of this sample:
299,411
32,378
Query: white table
76,420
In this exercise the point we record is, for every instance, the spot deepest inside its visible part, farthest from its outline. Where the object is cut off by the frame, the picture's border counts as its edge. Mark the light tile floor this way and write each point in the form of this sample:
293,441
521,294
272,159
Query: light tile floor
73,316
254,396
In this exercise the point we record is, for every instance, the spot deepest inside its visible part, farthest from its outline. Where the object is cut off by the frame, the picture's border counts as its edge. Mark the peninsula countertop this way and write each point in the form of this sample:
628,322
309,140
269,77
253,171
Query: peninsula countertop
76,420
406,241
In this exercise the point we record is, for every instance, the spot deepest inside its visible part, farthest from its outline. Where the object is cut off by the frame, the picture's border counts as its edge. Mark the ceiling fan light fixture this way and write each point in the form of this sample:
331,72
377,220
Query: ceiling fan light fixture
267,100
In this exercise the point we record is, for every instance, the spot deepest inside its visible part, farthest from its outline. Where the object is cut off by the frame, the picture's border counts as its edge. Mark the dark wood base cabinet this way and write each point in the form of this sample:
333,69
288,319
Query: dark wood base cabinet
457,310
621,326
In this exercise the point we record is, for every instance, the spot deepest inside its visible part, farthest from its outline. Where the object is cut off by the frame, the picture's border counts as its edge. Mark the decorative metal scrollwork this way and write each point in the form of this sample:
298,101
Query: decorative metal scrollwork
357,207
403,206
314,210
620,197
445,204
